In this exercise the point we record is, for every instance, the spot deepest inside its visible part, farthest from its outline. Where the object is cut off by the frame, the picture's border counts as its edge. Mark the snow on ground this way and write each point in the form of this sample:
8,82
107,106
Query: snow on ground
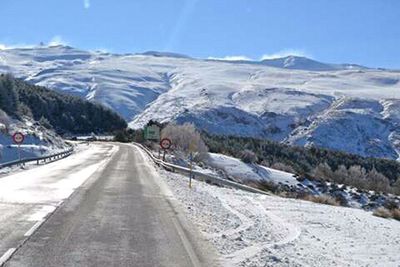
250,229
53,182
242,172
38,141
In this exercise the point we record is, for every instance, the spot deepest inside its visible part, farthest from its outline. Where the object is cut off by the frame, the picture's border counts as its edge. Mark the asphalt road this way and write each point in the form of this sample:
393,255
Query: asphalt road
27,197
120,216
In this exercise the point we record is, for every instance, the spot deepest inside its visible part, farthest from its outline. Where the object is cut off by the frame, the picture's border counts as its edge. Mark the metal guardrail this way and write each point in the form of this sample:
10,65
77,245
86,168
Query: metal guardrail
199,175
59,155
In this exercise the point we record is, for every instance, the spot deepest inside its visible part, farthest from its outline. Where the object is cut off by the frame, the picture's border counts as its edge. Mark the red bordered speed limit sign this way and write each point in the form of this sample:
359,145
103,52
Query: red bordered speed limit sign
18,138
165,143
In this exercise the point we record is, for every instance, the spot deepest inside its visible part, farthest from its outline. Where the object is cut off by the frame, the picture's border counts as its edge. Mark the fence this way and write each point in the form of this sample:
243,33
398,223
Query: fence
59,155
199,175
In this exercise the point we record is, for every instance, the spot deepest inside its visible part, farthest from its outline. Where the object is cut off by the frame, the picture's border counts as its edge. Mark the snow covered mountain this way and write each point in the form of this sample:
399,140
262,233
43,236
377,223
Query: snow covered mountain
303,63
293,100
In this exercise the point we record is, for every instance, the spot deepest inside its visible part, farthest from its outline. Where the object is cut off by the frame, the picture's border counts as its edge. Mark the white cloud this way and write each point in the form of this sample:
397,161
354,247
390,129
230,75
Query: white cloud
285,53
12,46
57,40
231,58
86,4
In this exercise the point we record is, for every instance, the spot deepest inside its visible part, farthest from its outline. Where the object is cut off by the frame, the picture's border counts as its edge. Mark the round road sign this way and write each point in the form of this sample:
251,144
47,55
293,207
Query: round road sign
165,143
18,138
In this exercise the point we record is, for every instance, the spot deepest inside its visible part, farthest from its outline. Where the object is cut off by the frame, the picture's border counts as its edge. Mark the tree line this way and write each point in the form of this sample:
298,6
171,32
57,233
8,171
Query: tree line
64,113
314,163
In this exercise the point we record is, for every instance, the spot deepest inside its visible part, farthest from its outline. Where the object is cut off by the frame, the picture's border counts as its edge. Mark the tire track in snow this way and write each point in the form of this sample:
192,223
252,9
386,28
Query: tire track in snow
251,251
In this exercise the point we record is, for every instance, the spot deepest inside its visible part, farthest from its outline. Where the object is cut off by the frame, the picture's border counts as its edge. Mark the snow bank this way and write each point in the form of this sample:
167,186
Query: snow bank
242,172
253,230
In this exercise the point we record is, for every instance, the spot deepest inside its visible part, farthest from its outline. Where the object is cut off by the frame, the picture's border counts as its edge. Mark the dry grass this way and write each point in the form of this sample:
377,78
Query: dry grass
387,213
382,212
265,186
323,199
396,214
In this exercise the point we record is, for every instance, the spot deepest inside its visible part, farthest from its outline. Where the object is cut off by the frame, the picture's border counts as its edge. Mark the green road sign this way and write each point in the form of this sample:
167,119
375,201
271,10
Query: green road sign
152,132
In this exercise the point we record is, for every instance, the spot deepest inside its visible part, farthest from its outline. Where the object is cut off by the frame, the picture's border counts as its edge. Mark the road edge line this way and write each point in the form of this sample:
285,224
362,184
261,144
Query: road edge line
34,227
6,256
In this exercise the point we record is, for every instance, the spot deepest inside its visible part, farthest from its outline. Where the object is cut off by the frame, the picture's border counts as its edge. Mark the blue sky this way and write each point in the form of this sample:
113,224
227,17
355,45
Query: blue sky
353,31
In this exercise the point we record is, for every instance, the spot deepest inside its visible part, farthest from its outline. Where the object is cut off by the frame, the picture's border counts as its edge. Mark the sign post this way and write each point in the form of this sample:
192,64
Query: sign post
191,169
18,139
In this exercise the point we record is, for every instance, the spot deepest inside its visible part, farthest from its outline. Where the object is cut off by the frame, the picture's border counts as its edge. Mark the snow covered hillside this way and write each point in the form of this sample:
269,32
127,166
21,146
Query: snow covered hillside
293,100
39,141
255,175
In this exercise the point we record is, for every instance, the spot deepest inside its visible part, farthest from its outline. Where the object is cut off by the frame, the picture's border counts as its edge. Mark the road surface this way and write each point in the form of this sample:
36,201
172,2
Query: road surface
105,207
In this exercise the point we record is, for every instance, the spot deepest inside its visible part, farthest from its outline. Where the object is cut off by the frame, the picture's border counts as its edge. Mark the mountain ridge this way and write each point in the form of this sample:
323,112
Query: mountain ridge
301,107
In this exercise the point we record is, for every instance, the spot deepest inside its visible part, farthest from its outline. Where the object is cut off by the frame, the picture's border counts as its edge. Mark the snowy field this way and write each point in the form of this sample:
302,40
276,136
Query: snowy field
249,229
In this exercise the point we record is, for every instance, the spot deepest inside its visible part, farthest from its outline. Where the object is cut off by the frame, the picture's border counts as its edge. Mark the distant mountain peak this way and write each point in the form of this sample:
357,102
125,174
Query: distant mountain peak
163,54
304,63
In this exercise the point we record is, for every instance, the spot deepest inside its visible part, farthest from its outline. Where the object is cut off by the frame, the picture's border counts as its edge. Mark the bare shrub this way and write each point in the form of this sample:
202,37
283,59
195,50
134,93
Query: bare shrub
341,174
248,156
396,187
186,139
324,172
382,212
377,181
356,176
322,199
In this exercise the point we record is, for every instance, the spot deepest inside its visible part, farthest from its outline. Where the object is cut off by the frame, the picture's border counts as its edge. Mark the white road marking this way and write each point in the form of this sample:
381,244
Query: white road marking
42,213
33,228
6,256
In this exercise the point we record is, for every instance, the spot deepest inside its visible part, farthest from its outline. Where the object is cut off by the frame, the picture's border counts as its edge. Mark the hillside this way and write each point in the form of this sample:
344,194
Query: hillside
292,100
39,140
39,113
62,112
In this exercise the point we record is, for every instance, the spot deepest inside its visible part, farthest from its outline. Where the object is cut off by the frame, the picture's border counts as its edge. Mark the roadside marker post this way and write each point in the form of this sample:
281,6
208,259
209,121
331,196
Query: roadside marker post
191,169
